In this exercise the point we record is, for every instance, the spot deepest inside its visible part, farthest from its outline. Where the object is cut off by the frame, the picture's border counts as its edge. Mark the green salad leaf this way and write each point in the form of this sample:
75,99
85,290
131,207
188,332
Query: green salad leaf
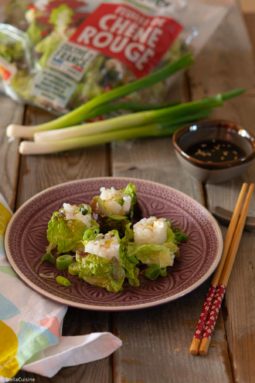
102,272
90,234
66,235
129,264
10,50
47,46
153,254
34,32
154,271
60,18
156,256
130,190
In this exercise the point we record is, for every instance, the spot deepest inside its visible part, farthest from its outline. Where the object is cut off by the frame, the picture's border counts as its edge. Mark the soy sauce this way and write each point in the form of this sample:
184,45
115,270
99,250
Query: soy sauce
215,151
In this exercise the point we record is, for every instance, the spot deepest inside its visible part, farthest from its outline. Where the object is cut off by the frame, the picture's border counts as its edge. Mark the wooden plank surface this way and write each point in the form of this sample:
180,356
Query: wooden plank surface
230,59
36,174
156,341
155,346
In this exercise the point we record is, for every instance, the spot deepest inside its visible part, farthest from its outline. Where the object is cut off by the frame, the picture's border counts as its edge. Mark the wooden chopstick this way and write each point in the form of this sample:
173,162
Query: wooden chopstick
224,278
212,304
230,233
194,347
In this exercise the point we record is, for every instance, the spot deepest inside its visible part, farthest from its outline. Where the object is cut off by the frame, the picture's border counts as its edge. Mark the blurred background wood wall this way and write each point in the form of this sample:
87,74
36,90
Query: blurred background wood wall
248,6
248,9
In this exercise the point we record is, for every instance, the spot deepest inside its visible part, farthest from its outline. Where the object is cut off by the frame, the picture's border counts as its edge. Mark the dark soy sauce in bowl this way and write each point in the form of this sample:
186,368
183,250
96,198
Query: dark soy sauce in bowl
215,151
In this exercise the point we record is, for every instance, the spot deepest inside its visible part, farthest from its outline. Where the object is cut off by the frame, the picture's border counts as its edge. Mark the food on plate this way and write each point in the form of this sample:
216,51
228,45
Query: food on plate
103,261
66,227
115,208
154,245
105,246
112,202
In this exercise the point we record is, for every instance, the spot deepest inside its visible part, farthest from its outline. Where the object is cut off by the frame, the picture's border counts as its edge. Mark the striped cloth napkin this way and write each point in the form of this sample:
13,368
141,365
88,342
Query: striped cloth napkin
31,327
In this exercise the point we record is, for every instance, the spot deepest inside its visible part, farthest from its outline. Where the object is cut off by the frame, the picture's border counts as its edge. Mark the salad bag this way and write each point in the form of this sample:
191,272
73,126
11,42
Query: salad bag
31,327
57,54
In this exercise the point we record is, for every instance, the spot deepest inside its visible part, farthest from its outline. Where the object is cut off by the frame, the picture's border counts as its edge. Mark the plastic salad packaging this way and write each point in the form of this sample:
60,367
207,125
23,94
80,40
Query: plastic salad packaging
57,54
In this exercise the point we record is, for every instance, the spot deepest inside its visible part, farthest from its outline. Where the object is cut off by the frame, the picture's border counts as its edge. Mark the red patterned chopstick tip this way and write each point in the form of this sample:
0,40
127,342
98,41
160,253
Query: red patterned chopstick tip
214,311
204,313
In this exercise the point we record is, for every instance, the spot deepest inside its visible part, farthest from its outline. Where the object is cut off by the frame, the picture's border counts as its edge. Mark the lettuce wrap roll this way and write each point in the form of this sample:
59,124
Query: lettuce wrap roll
103,261
115,208
155,244
67,226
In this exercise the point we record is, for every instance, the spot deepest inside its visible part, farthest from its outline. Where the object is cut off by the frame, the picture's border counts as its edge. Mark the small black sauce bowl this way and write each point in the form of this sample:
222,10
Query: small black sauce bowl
208,171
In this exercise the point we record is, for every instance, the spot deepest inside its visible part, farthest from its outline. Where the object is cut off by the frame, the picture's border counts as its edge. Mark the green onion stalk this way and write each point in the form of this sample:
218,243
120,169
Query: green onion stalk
142,124
127,106
172,114
181,113
83,112
150,130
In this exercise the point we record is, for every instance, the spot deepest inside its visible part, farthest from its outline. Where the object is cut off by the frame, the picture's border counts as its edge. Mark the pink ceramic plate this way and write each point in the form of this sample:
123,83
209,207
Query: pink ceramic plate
26,241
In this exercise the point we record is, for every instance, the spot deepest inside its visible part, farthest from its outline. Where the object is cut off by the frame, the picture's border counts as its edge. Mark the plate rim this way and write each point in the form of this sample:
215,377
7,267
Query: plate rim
119,307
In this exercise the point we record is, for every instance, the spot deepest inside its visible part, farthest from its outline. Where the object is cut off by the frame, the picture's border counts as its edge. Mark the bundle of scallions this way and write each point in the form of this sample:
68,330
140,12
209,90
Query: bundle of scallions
70,132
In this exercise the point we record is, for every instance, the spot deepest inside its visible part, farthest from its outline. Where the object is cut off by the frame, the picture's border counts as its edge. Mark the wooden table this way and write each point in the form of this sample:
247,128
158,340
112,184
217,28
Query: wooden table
156,340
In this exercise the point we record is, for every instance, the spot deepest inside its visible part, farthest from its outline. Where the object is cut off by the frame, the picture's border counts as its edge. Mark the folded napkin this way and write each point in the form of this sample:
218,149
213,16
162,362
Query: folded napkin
31,327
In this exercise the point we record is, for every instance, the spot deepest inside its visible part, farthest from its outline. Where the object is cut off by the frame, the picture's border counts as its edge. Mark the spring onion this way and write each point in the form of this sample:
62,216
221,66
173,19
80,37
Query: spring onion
33,147
73,268
160,122
152,130
48,257
172,114
63,281
125,106
81,113
63,261
103,110
134,107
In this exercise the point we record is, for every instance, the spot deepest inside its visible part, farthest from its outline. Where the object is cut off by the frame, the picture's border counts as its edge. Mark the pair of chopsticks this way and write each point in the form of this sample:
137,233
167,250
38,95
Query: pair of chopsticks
212,304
